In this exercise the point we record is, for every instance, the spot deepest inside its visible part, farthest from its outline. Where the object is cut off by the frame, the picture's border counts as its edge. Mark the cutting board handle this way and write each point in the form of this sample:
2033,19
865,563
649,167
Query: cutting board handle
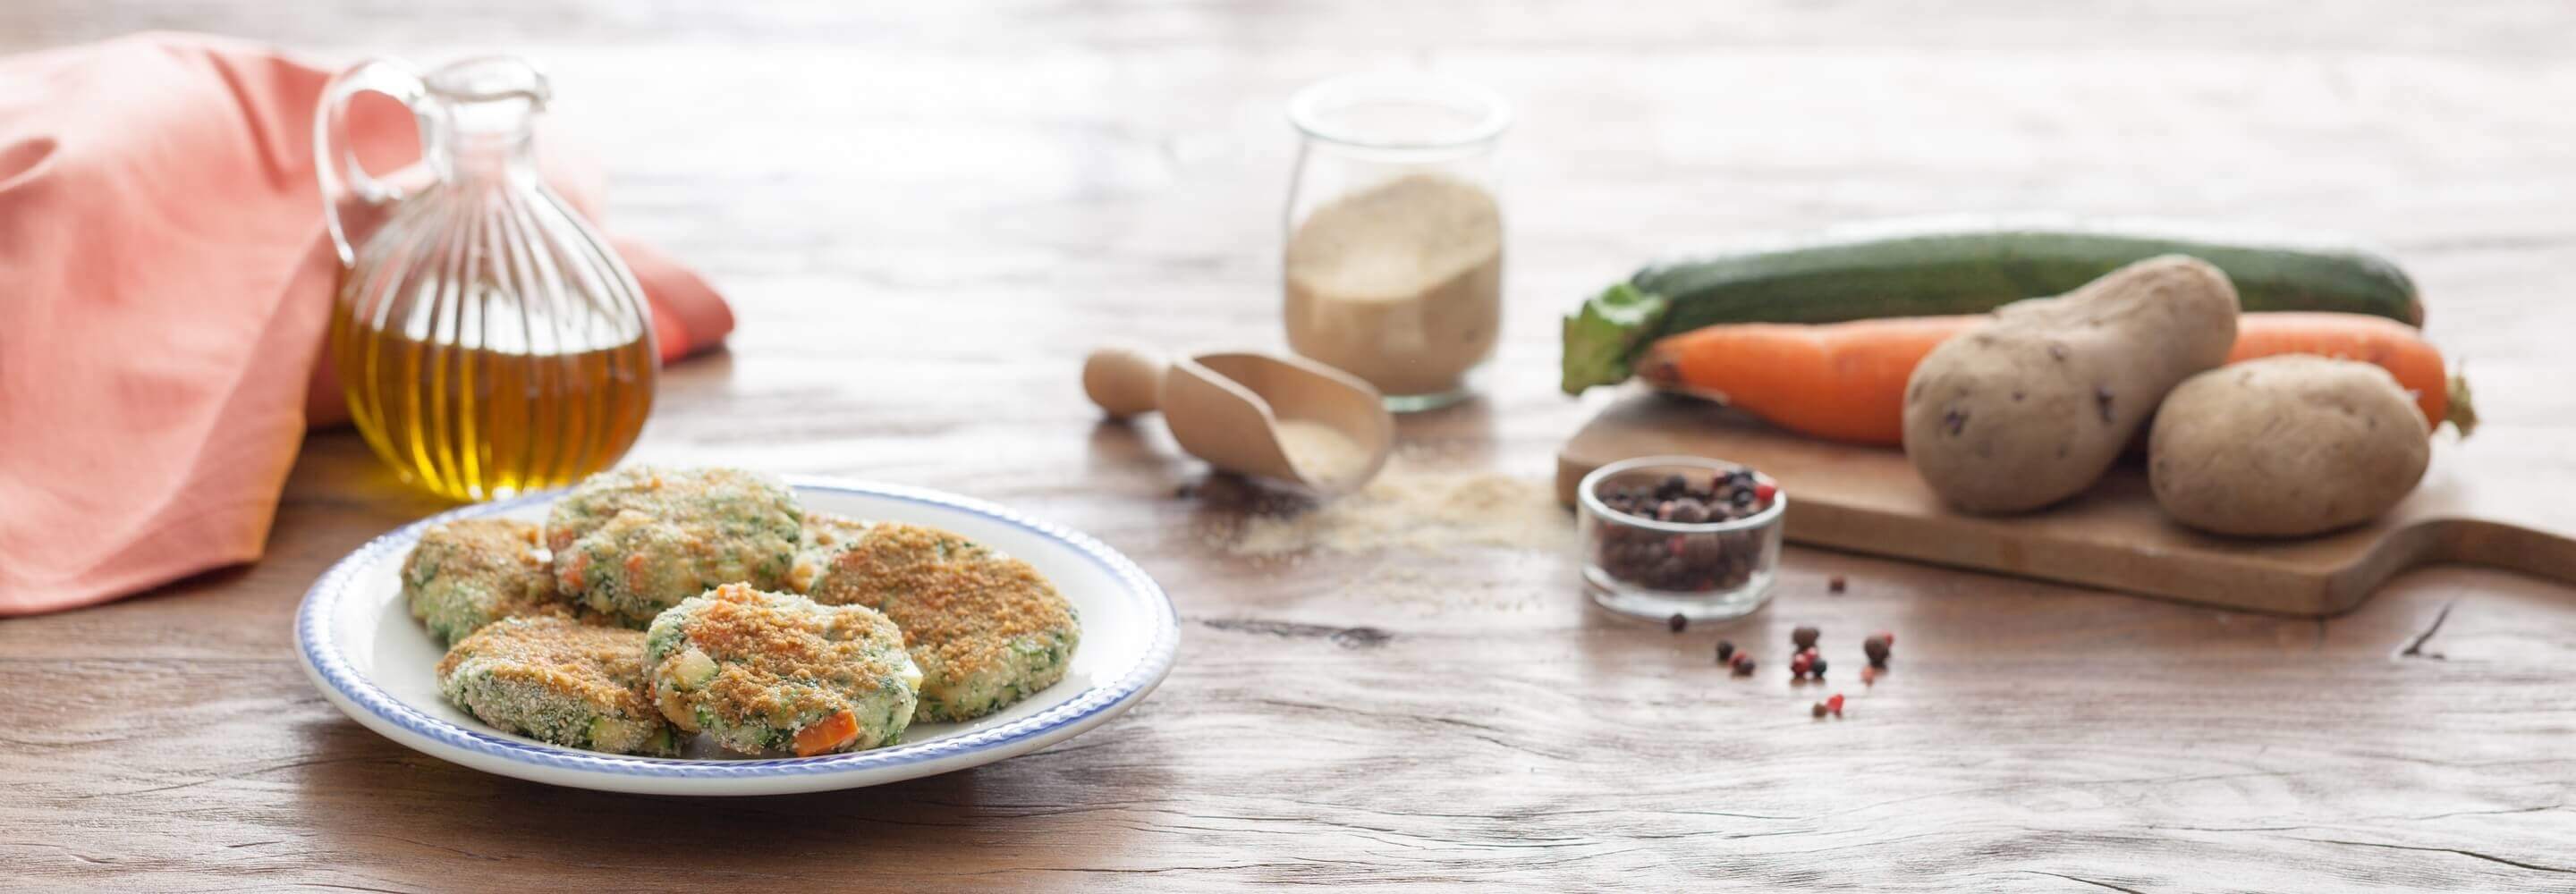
2510,547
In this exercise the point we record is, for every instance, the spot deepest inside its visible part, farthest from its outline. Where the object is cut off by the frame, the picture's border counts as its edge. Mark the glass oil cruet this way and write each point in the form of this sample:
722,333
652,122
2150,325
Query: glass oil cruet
487,338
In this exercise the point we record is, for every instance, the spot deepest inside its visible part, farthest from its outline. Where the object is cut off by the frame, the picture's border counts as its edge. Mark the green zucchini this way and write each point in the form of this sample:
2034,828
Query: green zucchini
1948,272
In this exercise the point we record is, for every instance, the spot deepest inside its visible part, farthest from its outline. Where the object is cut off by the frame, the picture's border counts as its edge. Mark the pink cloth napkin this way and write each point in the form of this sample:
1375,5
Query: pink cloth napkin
164,286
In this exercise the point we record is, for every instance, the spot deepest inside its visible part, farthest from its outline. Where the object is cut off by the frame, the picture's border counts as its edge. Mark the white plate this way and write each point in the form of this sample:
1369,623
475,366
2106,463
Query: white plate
364,651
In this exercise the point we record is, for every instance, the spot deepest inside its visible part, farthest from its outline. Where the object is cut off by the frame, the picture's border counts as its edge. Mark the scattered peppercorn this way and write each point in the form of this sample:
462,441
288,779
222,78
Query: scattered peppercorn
1816,668
1819,712
1678,622
1876,648
1834,584
1835,704
1725,650
1803,637
1743,664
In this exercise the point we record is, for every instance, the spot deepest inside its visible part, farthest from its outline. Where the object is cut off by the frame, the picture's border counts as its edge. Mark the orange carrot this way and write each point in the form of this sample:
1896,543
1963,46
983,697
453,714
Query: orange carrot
827,734
1846,381
1837,381
574,571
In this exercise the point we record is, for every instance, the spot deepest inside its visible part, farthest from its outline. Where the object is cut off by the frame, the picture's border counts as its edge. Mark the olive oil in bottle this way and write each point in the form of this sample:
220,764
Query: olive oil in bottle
488,340
475,420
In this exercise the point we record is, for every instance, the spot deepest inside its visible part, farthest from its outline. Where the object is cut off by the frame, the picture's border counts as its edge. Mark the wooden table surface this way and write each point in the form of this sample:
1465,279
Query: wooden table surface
925,214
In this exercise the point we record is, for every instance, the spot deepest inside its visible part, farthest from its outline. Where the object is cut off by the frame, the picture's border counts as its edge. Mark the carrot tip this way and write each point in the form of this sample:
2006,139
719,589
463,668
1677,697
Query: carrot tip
2462,416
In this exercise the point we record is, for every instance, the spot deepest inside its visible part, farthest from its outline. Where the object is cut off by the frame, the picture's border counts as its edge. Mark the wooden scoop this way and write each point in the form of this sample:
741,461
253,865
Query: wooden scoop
1287,418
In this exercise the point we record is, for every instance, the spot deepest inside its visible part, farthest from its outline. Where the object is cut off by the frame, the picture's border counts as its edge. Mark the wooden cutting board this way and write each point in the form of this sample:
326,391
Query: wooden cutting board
1868,500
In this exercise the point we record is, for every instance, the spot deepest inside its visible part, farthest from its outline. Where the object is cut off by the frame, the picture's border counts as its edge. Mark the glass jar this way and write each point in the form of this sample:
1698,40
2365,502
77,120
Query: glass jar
1647,567
1393,265
488,340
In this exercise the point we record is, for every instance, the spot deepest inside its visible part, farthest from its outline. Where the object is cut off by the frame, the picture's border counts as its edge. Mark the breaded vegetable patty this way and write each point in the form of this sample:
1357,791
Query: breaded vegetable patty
551,679
760,672
826,534
986,628
632,542
469,573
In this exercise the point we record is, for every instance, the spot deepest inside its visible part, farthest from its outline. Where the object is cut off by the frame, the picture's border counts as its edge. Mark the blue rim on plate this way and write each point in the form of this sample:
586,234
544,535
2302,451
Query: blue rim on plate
322,656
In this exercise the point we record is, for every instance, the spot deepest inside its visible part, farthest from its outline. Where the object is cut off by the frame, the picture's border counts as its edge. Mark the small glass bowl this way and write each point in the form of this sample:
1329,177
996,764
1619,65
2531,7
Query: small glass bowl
1641,567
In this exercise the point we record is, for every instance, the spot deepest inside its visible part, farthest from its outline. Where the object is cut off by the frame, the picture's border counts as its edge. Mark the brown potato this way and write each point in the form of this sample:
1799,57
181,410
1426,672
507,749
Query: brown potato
2033,406
2286,446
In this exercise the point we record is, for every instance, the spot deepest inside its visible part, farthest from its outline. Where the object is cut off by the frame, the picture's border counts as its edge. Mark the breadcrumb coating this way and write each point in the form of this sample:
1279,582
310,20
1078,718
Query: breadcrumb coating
632,542
987,629
467,573
560,681
753,668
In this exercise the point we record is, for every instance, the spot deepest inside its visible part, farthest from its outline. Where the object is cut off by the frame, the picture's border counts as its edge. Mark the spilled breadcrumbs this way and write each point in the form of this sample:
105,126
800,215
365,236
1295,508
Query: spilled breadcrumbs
1413,505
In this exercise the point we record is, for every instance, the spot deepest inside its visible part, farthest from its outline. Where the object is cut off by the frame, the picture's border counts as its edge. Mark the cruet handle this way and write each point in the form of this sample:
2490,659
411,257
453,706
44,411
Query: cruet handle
335,160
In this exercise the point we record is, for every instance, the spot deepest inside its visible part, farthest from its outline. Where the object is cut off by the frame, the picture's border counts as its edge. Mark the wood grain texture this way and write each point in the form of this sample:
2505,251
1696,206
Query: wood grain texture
1868,499
928,212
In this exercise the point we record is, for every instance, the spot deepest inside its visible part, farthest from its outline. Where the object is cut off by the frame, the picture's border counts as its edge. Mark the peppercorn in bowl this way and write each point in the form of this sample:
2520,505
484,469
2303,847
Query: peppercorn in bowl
1679,537
368,656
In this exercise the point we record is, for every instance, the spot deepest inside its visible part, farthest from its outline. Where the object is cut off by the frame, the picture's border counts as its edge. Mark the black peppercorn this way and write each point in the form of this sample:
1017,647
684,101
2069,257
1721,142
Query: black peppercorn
1803,637
1671,567
1725,650
1678,622
1686,511
1816,668
1834,584
1704,553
